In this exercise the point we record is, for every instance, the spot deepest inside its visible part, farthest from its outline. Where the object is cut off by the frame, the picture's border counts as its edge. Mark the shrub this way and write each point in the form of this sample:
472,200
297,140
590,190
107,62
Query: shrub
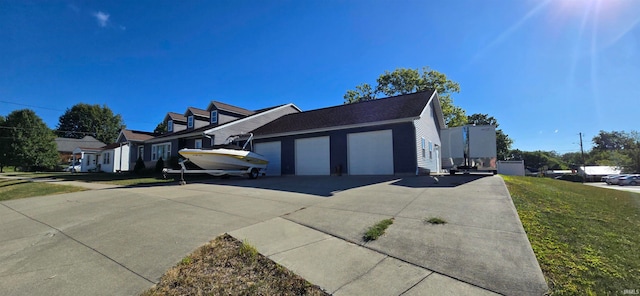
140,166
572,178
159,165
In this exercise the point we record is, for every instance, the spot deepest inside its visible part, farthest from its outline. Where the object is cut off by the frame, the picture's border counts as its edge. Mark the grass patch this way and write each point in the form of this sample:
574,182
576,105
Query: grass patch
15,189
377,230
226,266
435,220
585,238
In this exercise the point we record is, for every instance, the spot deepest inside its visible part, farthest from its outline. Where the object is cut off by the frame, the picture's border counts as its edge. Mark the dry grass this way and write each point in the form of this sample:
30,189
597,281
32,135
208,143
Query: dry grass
226,266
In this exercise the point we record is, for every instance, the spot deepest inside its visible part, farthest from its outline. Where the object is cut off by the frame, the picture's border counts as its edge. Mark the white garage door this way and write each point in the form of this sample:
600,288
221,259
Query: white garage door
370,153
312,156
272,151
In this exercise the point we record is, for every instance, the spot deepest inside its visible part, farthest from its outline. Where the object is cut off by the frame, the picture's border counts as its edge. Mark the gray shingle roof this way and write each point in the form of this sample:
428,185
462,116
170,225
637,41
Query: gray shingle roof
198,112
176,117
393,108
137,136
231,108
68,144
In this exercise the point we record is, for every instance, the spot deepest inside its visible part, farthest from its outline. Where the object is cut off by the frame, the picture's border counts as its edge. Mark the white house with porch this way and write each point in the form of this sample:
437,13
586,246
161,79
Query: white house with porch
112,158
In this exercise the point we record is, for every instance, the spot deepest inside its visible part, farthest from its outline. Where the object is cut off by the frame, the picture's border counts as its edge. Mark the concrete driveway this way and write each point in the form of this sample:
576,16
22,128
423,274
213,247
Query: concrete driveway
120,241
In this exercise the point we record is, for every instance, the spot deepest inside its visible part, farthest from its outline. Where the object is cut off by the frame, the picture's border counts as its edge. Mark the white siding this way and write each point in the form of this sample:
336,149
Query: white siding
250,124
426,127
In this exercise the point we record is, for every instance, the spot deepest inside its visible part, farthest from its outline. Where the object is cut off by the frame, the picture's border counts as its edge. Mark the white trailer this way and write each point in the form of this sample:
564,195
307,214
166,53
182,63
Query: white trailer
251,172
469,148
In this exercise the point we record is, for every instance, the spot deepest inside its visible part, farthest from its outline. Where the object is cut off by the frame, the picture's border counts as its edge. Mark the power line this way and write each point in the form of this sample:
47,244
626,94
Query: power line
32,106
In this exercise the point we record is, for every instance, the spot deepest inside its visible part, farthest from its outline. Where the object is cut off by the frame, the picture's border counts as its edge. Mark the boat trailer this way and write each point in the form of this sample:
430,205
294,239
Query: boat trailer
251,172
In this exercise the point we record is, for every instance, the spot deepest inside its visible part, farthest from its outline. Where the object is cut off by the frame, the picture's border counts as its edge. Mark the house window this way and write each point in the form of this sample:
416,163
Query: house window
106,158
430,150
424,154
170,126
190,121
141,152
161,151
214,116
198,143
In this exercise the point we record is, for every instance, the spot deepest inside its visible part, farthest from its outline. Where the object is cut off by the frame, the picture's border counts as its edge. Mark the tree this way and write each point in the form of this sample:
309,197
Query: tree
363,92
503,142
30,142
161,128
539,160
405,81
617,148
612,141
84,119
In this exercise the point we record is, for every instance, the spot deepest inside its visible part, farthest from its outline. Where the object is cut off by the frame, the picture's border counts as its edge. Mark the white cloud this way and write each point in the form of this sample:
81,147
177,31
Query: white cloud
555,132
102,18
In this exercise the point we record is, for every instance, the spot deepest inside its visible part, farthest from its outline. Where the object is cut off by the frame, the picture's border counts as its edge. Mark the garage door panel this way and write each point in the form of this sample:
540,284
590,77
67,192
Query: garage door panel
273,152
312,156
370,153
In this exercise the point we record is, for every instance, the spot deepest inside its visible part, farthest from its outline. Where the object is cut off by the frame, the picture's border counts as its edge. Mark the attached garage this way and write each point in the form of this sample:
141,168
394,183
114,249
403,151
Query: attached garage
312,156
370,153
273,152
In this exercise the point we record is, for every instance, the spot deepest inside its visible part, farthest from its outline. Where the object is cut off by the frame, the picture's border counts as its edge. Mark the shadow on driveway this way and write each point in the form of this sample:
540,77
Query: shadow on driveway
327,186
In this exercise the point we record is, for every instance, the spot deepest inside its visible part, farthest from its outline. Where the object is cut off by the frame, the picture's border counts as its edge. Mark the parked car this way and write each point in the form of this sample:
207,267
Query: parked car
73,168
606,178
615,180
629,180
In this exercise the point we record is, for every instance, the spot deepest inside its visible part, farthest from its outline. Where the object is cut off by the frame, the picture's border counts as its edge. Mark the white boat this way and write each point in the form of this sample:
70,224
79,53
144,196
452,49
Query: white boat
227,157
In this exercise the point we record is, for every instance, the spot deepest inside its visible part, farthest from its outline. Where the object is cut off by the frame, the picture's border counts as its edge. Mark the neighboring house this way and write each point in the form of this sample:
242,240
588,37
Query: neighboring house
595,173
135,142
397,135
218,122
114,158
88,157
111,158
67,145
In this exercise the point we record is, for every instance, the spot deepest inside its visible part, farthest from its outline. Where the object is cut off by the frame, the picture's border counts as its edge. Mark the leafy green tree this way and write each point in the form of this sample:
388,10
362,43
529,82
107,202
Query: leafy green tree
161,128
30,142
405,81
617,148
539,160
614,140
572,159
95,120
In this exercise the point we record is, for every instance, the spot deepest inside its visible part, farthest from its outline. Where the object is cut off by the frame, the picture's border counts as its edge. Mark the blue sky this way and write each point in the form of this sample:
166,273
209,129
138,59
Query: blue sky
547,70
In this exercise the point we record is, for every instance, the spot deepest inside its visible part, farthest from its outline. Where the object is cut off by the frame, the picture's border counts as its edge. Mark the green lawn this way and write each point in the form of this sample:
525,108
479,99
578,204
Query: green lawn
586,238
14,189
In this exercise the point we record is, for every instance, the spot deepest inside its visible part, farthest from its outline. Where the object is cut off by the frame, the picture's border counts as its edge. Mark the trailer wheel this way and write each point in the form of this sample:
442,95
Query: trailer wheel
254,173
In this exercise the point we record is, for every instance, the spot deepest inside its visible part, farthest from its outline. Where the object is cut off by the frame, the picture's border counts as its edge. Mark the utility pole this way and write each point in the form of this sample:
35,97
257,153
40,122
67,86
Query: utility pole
584,166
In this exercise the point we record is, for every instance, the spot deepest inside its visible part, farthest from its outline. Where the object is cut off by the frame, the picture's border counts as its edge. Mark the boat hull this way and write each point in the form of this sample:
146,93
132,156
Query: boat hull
225,159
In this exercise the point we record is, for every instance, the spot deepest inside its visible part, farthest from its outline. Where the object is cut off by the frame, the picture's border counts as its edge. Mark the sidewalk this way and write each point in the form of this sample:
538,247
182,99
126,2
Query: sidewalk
86,185
344,268
481,250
